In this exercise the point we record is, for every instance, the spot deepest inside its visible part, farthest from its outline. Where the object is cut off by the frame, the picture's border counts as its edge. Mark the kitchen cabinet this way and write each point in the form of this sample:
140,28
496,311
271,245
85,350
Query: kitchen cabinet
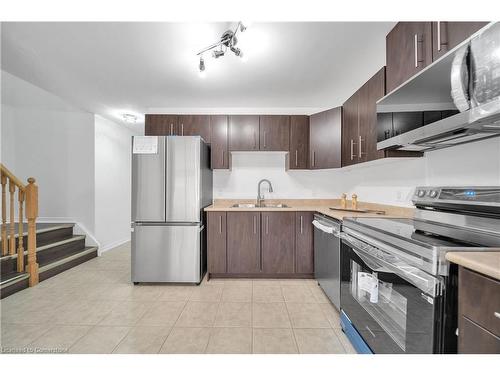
299,142
325,139
408,50
216,241
219,146
161,125
447,35
243,242
274,133
278,242
194,125
244,133
350,129
304,248
478,313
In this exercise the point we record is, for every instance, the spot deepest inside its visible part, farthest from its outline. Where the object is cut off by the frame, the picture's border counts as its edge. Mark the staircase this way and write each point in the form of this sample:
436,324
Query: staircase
58,249
50,248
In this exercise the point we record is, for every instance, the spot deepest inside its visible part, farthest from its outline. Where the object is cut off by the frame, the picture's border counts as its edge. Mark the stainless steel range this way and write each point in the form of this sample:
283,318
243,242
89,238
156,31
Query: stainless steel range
398,292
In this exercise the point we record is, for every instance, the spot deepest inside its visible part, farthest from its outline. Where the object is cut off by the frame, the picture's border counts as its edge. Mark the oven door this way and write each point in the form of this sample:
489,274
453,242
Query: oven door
393,306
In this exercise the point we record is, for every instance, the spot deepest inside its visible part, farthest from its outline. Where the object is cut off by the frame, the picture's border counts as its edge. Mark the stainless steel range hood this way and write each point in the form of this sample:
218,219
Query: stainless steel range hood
442,106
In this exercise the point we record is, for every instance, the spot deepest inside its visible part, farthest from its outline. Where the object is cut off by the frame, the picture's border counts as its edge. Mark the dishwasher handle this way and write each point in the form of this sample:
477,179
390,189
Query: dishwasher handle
326,228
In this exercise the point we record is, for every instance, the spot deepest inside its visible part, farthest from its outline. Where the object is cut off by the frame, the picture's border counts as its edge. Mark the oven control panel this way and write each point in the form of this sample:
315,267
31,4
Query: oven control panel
488,195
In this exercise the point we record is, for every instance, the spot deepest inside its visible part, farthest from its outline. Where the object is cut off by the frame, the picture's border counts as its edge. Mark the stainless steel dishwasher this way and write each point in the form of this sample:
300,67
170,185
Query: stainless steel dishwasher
327,256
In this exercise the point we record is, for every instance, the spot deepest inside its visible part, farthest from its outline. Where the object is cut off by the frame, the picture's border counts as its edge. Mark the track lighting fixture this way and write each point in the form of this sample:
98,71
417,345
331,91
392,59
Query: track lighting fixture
219,48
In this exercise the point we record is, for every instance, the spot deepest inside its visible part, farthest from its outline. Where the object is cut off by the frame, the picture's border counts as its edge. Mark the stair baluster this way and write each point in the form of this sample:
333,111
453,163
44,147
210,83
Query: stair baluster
12,237
20,248
4,215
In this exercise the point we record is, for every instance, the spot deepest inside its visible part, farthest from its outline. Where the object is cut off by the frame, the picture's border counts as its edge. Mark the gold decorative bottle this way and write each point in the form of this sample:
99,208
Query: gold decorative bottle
343,200
354,202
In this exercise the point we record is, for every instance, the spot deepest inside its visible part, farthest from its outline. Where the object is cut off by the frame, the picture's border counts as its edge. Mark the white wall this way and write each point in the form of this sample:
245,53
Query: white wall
112,182
44,137
385,181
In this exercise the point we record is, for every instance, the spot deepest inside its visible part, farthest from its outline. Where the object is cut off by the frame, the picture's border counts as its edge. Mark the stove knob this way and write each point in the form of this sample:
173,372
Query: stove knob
433,193
421,193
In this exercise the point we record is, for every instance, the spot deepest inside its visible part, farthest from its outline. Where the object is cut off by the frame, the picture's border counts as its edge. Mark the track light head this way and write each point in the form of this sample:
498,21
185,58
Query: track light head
202,64
242,27
216,53
237,51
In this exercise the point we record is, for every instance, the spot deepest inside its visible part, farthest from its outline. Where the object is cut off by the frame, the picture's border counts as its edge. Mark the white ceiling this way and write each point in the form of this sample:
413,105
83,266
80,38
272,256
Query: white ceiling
115,67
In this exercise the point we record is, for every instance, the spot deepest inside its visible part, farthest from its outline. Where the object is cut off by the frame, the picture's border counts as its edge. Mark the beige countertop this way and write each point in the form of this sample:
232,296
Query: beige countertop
318,205
487,263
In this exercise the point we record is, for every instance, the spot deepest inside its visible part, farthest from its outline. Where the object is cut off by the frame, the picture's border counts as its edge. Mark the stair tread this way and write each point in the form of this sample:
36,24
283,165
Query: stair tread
10,275
56,259
74,237
40,227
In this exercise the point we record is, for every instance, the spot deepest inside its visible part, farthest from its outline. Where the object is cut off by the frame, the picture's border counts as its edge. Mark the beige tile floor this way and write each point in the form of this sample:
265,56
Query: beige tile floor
93,308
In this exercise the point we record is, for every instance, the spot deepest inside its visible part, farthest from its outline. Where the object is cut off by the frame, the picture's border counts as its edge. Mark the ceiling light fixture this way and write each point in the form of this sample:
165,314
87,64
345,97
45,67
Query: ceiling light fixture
130,118
219,48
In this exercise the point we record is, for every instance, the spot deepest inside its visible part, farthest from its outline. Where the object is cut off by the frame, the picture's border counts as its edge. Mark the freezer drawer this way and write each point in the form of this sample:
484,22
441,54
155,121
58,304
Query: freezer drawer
167,253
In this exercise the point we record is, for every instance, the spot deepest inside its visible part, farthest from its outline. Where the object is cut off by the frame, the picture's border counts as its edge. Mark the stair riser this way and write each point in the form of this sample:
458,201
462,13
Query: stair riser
48,237
23,284
46,256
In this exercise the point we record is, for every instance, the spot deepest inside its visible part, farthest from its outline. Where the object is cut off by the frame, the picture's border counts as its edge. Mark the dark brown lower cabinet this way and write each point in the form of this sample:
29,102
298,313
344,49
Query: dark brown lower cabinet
278,242
304,236
243,242
478,313
216,232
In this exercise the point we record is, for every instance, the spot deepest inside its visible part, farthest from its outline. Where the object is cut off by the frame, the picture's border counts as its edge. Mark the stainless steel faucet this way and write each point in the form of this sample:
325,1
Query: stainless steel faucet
260,197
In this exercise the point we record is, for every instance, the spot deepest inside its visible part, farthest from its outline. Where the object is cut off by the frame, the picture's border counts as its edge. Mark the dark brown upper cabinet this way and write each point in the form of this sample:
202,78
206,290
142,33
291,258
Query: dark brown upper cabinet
219,151
408,50
304,239
274,133
278,242
243,243
161,125
447,35
325,139
350,130
243,133
216,242
299,142
194,125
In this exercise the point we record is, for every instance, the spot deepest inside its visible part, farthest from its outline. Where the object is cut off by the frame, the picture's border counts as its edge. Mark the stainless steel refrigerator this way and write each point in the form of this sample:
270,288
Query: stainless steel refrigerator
171,184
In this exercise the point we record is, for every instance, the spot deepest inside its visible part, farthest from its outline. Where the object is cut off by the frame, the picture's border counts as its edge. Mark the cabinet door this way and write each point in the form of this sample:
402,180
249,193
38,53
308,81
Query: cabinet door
304,249
195,125
299,142
278,242
350,130
447,35
243,242
243,133
219,153
160,125
474,339
371,91
408,50
325,139
216,242
274,133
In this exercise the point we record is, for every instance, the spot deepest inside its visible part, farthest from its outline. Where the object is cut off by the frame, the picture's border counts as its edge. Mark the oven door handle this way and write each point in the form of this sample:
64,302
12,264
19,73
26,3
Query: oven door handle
372,256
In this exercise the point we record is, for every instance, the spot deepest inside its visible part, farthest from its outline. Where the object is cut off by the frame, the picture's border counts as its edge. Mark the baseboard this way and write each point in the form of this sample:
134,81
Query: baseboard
113,245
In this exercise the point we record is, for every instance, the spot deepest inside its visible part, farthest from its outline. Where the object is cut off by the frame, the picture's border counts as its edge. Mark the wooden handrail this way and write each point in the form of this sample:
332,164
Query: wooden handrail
5,172
27,200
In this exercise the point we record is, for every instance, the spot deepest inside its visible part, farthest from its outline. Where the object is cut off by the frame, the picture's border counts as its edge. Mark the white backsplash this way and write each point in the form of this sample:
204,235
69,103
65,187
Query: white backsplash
385,181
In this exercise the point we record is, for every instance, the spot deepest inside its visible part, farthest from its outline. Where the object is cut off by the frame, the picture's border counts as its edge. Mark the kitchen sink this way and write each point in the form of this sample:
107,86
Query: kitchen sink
253,205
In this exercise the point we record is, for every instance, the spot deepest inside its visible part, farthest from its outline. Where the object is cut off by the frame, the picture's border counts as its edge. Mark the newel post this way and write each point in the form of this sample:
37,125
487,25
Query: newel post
31,215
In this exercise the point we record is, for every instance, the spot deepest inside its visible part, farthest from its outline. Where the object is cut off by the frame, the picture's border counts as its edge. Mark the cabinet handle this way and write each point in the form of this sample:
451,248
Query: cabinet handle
220,224
222,159
415,45
264,139
360,151
171,129
352,149
267,224
296,158
254,225
439,35
254,141
314,158
301,228
497,314
182,129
